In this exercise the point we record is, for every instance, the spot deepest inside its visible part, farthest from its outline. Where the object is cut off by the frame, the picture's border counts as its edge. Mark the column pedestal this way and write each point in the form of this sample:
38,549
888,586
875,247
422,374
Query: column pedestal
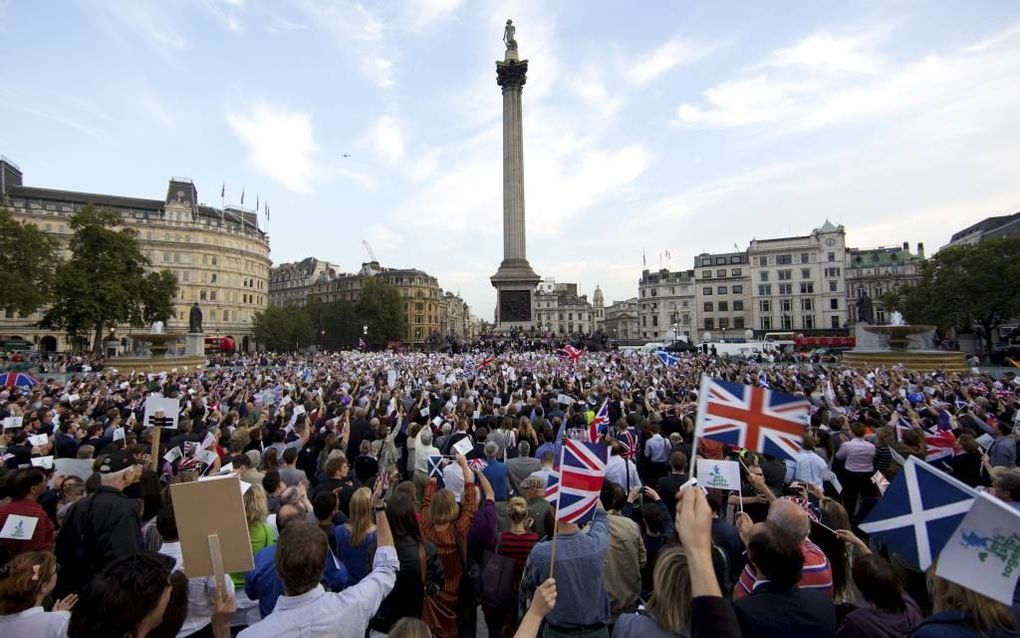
194,344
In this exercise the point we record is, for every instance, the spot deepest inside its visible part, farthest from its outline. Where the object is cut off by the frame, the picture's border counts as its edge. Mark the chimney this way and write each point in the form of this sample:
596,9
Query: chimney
920,249
906,247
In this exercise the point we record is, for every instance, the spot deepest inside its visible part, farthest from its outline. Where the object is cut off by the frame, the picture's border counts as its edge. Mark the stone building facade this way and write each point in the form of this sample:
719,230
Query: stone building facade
876,271
722,292
559,309
798,283
621,320
667,309
289,282
220,256
454,316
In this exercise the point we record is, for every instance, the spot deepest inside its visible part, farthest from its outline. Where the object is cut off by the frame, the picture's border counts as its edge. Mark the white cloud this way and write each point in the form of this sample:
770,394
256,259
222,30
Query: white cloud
379,69
149,22
386,138
673,53
279,142
419,14
827,53
424,167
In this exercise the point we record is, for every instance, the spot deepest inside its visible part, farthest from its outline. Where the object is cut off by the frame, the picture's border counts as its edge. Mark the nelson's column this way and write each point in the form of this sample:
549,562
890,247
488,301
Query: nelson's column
515,281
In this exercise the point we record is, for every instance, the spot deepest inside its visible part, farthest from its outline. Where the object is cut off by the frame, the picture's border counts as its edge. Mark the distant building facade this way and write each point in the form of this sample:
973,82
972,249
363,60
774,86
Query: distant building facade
666,309
454,316
722,286
289,283
876,271
220,256
559,309
621,320
798,283
1000,226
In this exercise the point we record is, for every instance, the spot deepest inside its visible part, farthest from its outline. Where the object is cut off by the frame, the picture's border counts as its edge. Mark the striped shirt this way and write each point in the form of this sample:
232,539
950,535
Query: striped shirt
816,573
517,547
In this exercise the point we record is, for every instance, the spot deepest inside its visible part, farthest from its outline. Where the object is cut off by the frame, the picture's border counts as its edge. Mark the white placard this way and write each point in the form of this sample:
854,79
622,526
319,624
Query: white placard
985,441
209,440
82,468
208,457
463,446
45,462
119,434
12,422
437,421
161,412
285,401
38,440
19,528
173,455
563,399
391,378
424,411
982,553
720,475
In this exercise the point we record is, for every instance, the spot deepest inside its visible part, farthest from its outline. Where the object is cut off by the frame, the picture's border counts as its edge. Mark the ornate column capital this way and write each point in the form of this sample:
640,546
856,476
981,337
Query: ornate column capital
511,74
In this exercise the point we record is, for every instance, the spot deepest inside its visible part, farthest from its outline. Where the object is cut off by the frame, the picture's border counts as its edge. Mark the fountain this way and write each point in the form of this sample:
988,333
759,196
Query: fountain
899,343
158,341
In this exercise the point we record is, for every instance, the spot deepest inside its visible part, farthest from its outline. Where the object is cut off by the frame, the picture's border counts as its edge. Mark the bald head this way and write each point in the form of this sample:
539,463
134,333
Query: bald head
286,514
790,517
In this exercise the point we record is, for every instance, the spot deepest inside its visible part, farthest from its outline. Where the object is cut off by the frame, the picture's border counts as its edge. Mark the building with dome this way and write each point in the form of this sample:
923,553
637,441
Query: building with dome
598,303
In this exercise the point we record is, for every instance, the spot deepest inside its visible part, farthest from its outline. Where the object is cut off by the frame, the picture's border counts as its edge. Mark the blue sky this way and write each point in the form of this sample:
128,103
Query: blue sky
649,126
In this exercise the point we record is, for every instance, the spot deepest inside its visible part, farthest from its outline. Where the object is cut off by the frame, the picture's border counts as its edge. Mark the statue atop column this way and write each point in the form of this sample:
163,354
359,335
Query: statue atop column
508,36
195,318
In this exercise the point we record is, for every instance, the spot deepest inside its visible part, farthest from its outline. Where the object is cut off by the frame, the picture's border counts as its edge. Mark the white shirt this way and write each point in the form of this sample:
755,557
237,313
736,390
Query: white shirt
617,469
36,623
200,589
318,613
811,468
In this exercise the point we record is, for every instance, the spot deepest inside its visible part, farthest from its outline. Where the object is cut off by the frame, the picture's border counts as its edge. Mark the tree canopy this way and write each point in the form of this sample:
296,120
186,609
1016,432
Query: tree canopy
966,286
380,308
105,282
28,260
283,329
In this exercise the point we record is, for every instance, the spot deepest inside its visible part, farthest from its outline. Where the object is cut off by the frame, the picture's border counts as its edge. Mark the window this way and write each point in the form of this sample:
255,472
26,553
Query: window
832,257
784,260
805,273
738,290
655,321
765,290
738,322
734,272
724,306
708,306
186,275
735,259
834,321
213,277
807,305
809,322
832,272
721,272
786,289
833,286
807,289
805,258
834,304
738,306
724,323
655,292
709,324
720,260
721,290
212,295
787,322
763,260
201,295
786,305
707,261
707,291
785,275
706,274
765,306
763,275
766,323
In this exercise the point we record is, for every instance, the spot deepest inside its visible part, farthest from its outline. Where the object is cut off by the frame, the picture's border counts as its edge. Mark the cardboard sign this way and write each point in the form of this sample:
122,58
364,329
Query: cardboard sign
12,422
82,468
45,462
19,528
212,508
463,446
161,412
38,439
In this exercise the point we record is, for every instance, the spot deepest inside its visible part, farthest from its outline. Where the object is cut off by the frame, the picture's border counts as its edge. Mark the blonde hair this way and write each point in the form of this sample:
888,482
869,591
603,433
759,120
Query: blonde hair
27,575
410,627
990,617
361,515
518,509
670,602
256,505
443,508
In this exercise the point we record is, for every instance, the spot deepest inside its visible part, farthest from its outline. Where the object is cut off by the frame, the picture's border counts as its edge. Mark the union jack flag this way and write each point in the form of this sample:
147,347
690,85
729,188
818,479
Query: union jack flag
485,362
599,423
629,443
552,486
757,419
582,470
570,352
478,464
940,445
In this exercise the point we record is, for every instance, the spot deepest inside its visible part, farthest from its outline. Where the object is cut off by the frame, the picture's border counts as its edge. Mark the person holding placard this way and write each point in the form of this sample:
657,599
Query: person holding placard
24,524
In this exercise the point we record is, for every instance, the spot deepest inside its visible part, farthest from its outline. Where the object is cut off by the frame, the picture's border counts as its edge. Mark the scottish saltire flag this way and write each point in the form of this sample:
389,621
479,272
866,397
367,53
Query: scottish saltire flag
306,374
757,419
570,352
939,445
599,423
435,466
666,358
582,470
552,486
919,512
763,380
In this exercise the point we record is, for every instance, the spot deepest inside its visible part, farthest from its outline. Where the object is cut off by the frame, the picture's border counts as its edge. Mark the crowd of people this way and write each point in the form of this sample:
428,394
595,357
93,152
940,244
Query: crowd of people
406,495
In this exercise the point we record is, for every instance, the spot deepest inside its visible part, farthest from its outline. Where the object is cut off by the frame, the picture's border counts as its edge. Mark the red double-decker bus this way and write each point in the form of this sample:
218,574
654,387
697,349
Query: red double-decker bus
802,342
220,344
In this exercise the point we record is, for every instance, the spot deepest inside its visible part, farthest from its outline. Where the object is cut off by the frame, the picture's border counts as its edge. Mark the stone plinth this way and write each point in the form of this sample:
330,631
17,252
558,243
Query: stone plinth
194,344
906,345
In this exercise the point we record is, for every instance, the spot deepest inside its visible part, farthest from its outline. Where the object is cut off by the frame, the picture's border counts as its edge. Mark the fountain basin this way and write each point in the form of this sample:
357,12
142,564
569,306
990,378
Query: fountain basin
910,346
159,343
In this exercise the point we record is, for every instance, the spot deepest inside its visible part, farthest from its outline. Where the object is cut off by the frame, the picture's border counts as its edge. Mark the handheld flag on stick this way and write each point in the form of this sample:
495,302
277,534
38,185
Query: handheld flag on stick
582,471
599,423
666,358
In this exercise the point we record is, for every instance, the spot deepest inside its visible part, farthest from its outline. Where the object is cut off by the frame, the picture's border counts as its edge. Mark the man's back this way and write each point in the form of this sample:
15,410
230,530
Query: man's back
100,527
520,468
625,559
790,612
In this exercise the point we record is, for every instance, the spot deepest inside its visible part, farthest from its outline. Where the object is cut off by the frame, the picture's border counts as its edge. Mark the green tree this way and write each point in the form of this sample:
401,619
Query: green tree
283,329
381,309
28,259
966,286
336,323
105,283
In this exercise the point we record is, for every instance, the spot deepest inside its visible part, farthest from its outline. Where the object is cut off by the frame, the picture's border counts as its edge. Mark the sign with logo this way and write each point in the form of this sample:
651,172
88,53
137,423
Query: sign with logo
984,553
719,475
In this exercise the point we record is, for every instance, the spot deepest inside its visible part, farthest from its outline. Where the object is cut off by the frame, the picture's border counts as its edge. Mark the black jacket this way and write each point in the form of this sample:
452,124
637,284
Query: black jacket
408,593
789,612
99,528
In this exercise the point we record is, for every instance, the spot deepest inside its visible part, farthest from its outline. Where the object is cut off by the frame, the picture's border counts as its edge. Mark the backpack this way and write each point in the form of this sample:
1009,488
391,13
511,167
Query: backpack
497,578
